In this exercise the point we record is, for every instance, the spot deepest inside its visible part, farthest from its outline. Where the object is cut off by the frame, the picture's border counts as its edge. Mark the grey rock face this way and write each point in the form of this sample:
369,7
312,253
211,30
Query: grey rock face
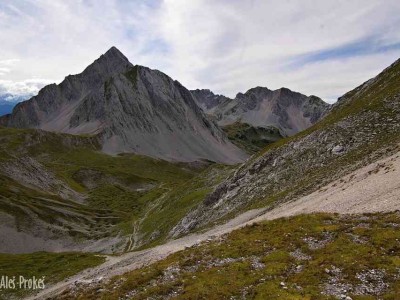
289,111
207,100
130,109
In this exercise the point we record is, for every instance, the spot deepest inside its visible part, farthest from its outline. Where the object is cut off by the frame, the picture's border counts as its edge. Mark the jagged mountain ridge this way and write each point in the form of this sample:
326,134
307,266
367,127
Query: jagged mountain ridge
362,127
289,111
207,100
131,109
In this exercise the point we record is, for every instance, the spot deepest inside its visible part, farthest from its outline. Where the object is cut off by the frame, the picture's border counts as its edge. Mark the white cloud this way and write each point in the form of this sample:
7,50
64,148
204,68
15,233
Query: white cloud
225,45
6,64
9,62
26,87
231,46
52,39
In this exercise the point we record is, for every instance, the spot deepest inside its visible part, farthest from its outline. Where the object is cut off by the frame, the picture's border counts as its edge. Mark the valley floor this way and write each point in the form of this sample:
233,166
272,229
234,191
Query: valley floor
374,188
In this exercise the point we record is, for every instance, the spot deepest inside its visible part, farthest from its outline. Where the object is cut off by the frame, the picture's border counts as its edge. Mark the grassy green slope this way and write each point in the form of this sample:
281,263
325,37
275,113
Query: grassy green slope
249,138
53,267
122,192
319,256
28,206
178,201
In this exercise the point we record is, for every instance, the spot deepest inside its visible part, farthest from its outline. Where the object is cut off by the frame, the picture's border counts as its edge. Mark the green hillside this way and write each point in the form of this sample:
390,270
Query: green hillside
72,189
249,138
52,267
318,256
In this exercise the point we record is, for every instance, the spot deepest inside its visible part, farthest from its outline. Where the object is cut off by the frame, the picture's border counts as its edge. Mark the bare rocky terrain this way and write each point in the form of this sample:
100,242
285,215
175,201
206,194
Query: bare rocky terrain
288,111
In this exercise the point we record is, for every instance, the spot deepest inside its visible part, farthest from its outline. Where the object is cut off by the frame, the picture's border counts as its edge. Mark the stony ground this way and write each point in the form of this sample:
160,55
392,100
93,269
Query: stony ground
374,188
319,256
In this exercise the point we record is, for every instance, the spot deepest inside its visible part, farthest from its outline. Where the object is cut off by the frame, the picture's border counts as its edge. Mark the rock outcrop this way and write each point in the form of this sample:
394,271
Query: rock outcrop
207,100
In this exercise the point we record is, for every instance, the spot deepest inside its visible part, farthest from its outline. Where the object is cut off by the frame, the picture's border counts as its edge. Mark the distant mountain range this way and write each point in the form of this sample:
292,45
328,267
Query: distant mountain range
8,102
134,109
289,111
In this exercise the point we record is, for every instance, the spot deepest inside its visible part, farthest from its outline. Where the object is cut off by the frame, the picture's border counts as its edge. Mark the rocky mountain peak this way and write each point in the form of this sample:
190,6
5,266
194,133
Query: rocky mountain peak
284,90
207,100
256,91
109,63
114,54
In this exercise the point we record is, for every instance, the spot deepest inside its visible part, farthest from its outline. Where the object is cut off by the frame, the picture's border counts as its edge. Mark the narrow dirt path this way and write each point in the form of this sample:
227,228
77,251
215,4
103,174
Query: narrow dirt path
134,238
373,188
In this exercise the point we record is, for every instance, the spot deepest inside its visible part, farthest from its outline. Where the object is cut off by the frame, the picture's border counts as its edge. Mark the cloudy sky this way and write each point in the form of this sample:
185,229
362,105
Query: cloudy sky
315,47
